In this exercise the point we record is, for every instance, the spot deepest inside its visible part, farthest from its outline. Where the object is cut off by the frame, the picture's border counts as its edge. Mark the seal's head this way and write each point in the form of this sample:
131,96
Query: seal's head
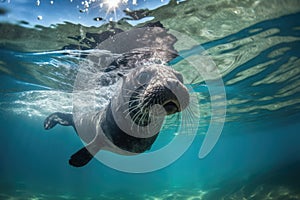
155,90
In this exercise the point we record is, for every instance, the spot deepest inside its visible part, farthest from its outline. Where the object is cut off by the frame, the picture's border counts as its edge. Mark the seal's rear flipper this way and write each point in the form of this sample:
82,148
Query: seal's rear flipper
85,155
80,158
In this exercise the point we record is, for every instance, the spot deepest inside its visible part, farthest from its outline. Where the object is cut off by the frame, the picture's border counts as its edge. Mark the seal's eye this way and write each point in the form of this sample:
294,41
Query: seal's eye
144,78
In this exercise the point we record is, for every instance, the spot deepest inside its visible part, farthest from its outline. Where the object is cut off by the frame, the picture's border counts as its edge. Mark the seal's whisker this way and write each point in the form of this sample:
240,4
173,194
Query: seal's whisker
137,96
131,111
146,104
127,96
136,115
189,120
130,90
194,111
129,108
141,120
153,122
134,100
131,101
138,126
156,122
133,122
149,116
150,122
185,123
135,91
190,114
189,111
130,97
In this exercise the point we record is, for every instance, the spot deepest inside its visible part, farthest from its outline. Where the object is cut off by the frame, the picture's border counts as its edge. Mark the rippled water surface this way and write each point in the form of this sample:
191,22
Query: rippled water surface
253,44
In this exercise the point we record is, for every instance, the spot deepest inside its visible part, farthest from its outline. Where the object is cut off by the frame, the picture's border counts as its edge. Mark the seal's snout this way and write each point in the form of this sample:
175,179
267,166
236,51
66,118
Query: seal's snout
170,93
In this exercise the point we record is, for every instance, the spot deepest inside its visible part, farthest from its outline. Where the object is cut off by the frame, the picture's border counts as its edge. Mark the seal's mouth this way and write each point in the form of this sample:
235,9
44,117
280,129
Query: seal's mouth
171,107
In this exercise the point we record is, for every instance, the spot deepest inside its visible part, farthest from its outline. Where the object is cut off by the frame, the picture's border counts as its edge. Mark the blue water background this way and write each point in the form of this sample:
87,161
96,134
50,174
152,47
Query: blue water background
35,162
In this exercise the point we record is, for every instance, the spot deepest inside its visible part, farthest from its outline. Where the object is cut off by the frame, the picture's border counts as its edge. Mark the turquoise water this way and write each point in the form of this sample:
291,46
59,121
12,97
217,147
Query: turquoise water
255,47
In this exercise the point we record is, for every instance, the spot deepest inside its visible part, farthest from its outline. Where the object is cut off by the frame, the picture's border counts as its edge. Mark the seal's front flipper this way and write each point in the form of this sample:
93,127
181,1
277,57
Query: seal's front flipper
85,155
64,119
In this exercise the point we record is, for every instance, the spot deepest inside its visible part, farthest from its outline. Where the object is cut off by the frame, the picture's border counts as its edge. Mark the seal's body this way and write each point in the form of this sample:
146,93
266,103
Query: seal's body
131,122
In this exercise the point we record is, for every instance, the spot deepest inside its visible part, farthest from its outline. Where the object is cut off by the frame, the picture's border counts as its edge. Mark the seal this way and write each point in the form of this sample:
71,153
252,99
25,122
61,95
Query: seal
131,122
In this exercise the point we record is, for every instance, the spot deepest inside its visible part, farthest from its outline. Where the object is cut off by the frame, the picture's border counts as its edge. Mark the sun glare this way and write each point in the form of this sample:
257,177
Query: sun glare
112,4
